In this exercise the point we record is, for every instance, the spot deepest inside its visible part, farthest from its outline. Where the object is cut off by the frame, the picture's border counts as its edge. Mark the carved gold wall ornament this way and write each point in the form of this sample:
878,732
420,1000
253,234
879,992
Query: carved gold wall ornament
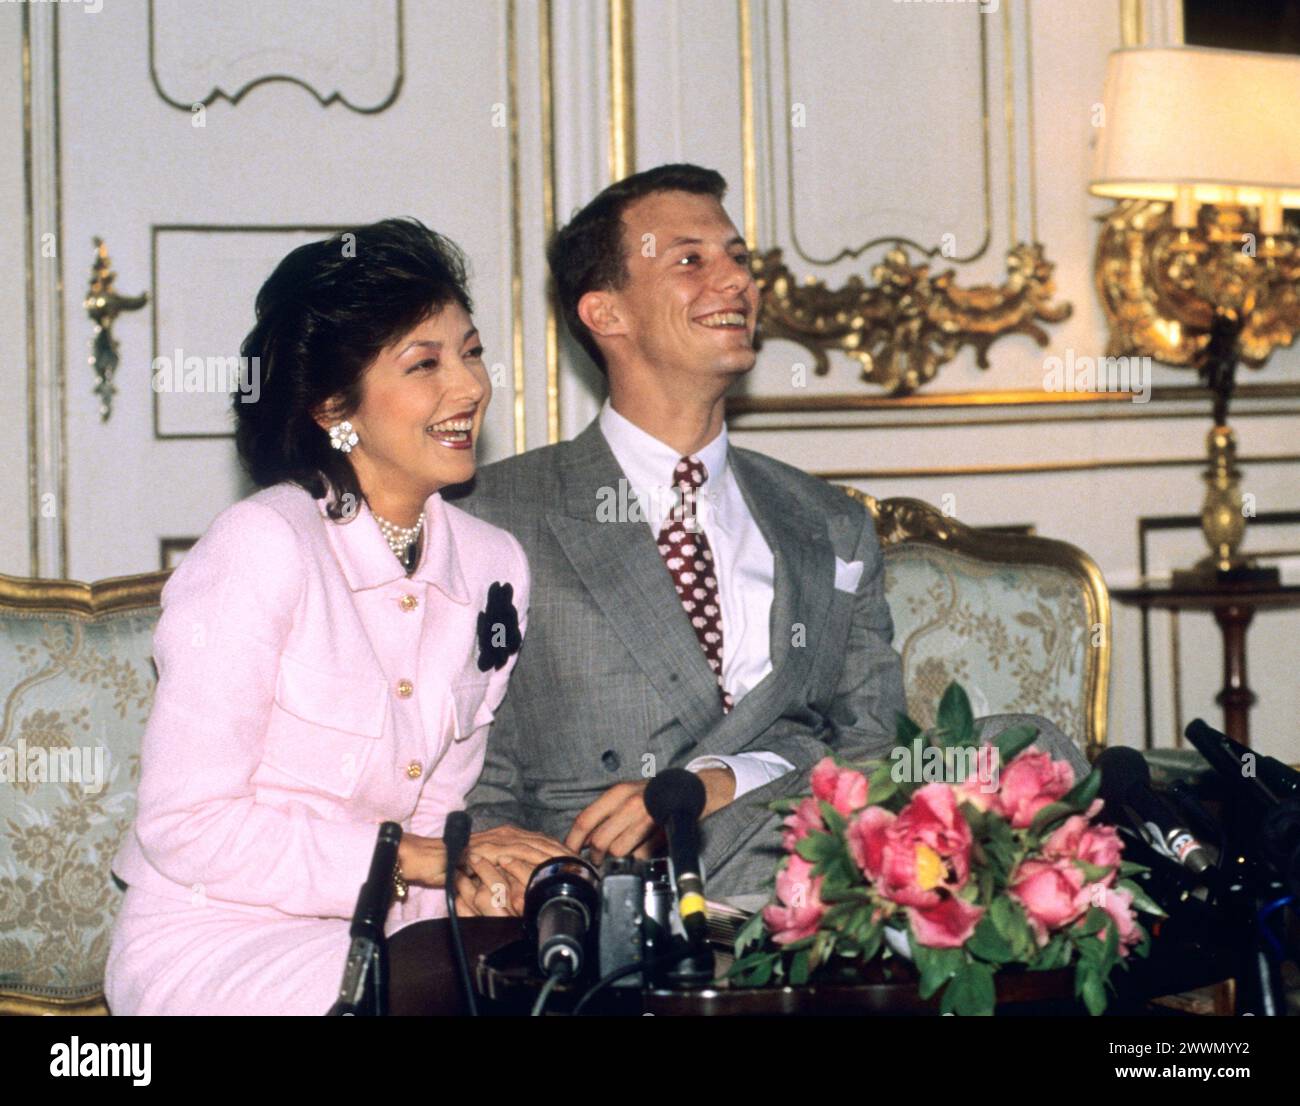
103,305
907,324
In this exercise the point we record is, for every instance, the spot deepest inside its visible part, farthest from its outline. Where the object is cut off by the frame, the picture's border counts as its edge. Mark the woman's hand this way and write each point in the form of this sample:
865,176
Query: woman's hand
423,860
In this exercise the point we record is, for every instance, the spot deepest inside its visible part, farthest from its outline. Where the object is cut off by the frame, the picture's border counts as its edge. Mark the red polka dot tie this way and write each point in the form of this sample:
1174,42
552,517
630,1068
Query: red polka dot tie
685,550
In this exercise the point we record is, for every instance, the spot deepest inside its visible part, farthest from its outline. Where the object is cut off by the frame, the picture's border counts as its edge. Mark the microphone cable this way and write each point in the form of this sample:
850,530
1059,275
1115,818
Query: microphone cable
649,967
1265,926
558,975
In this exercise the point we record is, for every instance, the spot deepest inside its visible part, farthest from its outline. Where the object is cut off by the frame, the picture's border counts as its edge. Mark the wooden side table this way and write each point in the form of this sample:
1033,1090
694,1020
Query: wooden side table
1233,607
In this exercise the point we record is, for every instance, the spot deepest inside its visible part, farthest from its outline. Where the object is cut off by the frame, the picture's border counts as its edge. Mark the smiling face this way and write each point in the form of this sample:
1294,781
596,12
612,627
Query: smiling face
422,404
690,303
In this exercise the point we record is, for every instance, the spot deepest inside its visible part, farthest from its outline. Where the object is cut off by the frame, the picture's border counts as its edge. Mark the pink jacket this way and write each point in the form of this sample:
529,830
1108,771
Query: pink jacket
309,690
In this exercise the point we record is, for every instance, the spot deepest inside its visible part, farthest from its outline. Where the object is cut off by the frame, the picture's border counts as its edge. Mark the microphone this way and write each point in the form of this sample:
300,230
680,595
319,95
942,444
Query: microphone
675,799
365,985
561,905
455,839
1126,781
1270,782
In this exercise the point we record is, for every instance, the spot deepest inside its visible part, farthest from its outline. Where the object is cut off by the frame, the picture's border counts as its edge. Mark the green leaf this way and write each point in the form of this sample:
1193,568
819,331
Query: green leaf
1012,741
816,846
871,940
1013,926
1110,953
1046,818
822,948
839,895
762,974
752,932
988,944
1083,792
936,966
1092,990
905,729
881,784
1093,873
971,992
835,821
1094,919
1141,900
1055,954
753,970
799,968
954,720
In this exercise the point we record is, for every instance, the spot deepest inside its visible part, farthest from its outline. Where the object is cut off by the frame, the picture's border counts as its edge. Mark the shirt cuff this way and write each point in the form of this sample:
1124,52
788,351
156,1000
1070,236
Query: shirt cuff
752,770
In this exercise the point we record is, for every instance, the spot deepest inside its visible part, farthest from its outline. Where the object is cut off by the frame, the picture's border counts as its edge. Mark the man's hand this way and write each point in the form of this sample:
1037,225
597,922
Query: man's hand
618,824
497,866
484,891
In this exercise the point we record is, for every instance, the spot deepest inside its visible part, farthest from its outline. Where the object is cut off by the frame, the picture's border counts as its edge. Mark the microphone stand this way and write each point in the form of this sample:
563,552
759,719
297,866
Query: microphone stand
455,837
1246,882
364,991
1248,872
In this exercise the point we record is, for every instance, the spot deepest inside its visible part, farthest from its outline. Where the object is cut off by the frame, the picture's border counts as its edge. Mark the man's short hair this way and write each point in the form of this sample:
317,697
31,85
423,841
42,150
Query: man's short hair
587,254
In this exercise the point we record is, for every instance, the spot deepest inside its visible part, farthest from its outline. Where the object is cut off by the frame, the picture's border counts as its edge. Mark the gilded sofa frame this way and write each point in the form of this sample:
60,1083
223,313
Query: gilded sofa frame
903,519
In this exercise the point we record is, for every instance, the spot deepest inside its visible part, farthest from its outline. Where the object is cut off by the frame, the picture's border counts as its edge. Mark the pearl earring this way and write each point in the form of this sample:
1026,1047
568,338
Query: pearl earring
343,437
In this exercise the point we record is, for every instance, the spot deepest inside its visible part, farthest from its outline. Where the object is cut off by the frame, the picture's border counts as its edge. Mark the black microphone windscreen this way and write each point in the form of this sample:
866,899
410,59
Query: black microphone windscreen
675,791
455,833
1122,769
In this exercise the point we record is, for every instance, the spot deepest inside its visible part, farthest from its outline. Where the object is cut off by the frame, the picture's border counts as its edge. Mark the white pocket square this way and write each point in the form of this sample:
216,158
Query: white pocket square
847,575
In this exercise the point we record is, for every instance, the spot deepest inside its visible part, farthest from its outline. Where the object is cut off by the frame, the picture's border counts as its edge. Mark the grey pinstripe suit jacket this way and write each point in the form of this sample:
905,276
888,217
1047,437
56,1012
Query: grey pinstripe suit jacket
611,683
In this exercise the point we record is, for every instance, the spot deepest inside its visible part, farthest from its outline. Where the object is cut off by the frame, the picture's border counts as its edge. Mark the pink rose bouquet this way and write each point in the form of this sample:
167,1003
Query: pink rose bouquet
980,857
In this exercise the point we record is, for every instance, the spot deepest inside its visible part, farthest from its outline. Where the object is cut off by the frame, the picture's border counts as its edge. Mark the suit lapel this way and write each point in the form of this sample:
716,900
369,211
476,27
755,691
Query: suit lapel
618,563
802,590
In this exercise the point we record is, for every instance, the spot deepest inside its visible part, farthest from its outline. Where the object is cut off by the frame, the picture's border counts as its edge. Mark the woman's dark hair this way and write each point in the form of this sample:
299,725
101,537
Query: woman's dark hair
323,316
587,254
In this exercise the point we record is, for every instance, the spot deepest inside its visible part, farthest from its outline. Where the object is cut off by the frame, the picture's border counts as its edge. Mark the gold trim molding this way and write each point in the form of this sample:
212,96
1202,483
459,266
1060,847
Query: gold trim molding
17,1004
622,91
854,401
905,519
547,64
72,597
907,325
325,100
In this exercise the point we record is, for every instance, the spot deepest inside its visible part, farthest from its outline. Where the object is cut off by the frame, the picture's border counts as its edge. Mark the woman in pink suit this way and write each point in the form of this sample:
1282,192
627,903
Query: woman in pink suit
331,652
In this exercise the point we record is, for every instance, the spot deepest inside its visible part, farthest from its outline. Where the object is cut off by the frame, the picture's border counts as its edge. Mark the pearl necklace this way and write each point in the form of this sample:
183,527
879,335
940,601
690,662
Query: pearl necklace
400,538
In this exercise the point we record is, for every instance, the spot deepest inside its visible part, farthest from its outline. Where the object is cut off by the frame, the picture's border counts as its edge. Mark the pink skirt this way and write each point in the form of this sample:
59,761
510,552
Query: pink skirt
172,957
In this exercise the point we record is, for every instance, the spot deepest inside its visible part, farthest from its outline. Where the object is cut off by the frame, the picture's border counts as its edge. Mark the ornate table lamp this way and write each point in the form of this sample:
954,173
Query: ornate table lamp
1197,265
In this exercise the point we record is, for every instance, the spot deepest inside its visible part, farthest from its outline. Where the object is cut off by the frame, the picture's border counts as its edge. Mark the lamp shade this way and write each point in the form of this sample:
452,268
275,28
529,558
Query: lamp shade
1205,126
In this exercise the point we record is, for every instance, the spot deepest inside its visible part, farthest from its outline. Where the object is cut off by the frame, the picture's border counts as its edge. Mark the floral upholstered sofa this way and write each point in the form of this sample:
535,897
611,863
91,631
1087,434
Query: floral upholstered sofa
1022,622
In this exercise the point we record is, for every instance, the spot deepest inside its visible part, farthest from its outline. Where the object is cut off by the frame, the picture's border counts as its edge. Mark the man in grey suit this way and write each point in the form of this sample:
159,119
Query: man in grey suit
693,604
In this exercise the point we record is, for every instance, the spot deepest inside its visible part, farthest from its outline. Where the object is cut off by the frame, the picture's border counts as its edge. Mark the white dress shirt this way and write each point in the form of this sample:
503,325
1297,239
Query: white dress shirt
743,561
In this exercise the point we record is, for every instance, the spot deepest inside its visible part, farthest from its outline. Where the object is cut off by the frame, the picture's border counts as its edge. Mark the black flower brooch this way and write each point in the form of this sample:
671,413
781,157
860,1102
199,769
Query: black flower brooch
498,628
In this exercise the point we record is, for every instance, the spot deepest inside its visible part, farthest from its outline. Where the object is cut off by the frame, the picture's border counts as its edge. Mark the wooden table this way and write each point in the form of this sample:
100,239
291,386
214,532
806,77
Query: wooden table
423,982
1233,607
